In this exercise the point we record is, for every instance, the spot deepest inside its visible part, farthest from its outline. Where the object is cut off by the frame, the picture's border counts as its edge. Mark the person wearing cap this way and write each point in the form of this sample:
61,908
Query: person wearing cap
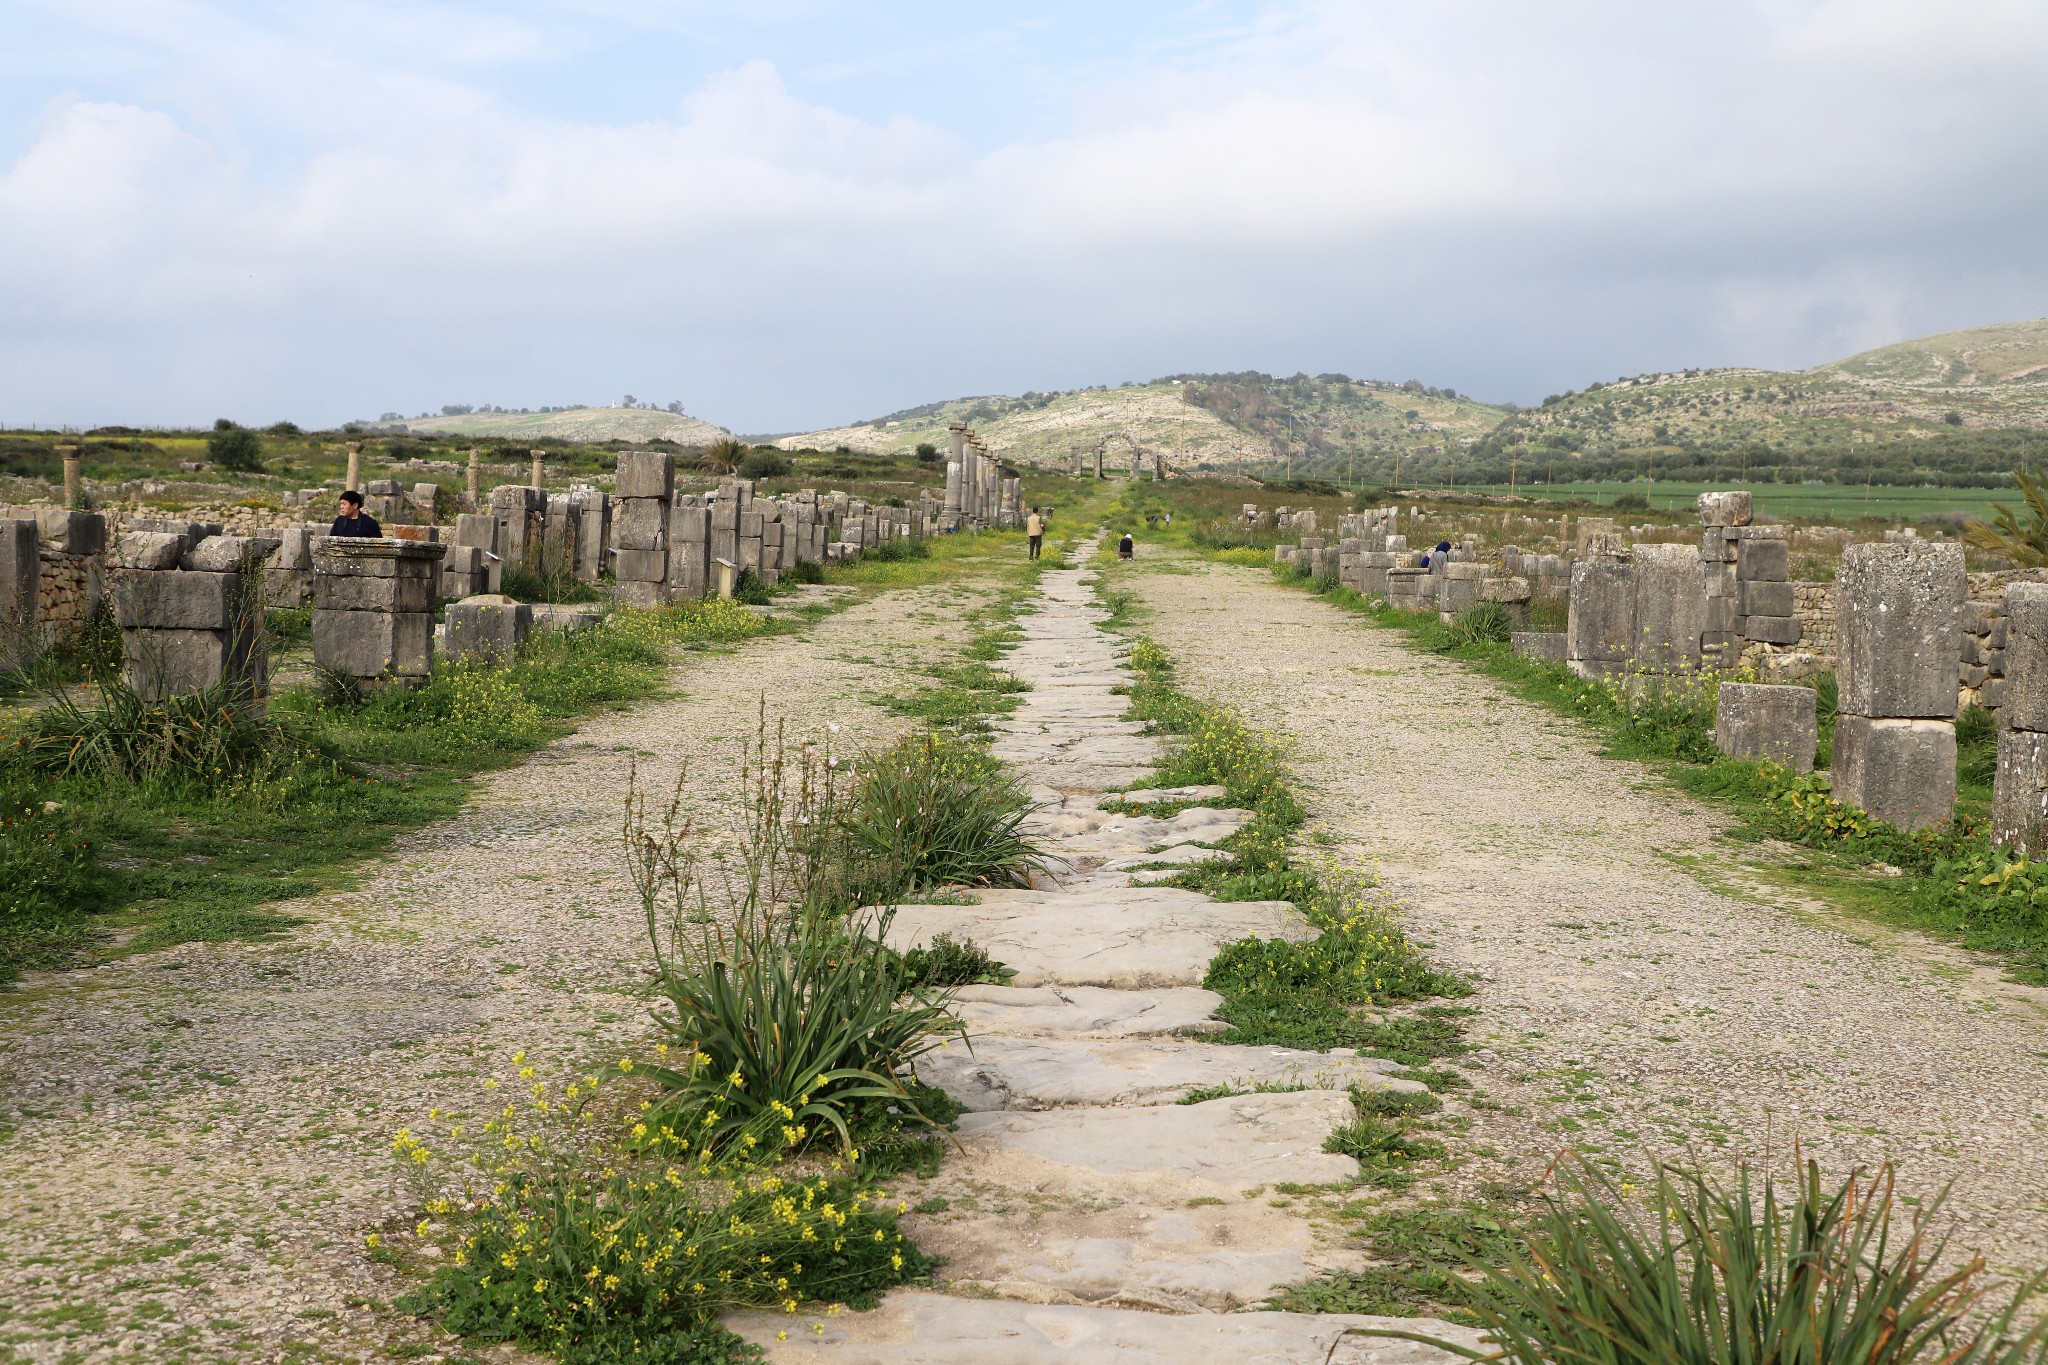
354,521
1034,530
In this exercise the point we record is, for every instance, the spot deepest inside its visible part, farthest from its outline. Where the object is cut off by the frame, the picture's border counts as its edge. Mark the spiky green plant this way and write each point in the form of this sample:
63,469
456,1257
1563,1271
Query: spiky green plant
2024,543
1717,1275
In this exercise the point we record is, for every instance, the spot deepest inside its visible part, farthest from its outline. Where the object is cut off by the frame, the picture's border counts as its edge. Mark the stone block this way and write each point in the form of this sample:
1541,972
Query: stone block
1896,639
162,663
1514,591
1719,579
1758,721
147,550
645,566
338,592
191,532
640,524
294,549
374,644
1721,617
1547,645
1715,547
381,488
1763,560
2026,657
634,592
72,533
477,529
1902,771
353,556
1972,649
1731,508
490,627
1759,598
1973,619
228,554
2019,793
1602,611
177,600
425,533
1973,676
1991,696
1671,606
645,474
1771,630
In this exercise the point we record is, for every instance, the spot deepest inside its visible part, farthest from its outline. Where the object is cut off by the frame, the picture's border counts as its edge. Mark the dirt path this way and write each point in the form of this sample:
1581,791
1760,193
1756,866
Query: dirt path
201,1137
1640,997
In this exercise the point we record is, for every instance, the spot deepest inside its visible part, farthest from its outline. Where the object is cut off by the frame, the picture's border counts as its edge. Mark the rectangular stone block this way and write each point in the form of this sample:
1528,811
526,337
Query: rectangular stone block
1902,771
2026,657
1772,630
645,474
72,533
1973,676
137,550
633,592
335,592
487,628
176,600
645,566
1897,645
1730,508
475,528
1671,606
1721,617
162,663
1602,609
1760,722
1757,598
2019,793
1715,547
1763,560
374,644
1547,645
640,524
1972,649
1719,579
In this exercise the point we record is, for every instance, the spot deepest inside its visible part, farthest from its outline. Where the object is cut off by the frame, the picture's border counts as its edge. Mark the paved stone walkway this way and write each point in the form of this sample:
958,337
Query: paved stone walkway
1646,993
1087,1216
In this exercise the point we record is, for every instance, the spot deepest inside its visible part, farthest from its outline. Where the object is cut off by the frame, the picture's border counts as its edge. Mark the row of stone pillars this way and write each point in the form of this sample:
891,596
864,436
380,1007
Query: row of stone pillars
977,495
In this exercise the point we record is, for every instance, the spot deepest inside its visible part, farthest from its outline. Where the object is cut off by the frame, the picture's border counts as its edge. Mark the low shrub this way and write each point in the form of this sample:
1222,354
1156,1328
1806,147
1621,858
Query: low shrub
1480,623
211,739
934,810
946,961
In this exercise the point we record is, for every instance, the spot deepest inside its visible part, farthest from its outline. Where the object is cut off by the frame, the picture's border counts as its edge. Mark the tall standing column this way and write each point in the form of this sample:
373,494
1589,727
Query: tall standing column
539,468
1098,459
74,478
476,478
354,478
1899,666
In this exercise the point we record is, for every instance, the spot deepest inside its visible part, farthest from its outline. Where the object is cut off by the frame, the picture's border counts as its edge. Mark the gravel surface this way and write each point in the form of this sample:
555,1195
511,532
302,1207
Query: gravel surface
1643,992
200,1138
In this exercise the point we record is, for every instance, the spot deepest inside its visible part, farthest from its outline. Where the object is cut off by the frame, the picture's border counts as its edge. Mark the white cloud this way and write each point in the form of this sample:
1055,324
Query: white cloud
1487,194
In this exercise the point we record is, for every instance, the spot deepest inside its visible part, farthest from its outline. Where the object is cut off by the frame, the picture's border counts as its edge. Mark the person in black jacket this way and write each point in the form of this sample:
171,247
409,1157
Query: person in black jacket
354,521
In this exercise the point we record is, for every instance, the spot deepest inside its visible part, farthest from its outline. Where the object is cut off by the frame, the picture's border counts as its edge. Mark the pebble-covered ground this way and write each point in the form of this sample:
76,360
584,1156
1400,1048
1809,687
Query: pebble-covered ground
1643,993
201,1137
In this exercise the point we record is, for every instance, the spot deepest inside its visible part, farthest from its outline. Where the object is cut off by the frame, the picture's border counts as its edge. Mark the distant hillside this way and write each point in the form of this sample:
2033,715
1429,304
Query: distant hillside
1200,421
1962,408
576,424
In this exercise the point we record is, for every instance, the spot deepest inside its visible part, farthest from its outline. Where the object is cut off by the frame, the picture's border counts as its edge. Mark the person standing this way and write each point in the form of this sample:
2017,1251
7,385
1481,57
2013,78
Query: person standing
1034,531
354,521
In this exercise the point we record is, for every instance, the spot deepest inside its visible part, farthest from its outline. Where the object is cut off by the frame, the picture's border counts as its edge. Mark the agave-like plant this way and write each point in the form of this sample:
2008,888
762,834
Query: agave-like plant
2024,543
1719,1275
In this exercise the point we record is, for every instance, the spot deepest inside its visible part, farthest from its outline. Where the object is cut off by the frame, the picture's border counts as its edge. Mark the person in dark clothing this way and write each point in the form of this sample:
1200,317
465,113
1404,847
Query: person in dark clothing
354,521
1126,548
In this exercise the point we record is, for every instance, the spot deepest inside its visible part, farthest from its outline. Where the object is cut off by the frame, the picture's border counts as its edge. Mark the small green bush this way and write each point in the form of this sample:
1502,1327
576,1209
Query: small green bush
764,462
1480,623
949,962
235,448
934,810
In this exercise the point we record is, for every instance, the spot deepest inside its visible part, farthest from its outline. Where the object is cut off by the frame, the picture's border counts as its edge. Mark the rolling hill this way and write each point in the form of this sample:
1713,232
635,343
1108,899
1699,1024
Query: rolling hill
1206,421
576,424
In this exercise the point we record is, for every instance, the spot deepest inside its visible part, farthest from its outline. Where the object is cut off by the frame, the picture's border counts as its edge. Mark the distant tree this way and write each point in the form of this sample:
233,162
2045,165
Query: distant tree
223,424
764,462
235,448
726,452
676,407
454,409
284,429
927,453
1954,419
628,401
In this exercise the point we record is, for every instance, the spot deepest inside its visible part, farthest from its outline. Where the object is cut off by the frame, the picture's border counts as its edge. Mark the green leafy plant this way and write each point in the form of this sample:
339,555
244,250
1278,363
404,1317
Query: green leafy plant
934,810
2025,543
1736,1275
235,448
210,738
947,961
1482,622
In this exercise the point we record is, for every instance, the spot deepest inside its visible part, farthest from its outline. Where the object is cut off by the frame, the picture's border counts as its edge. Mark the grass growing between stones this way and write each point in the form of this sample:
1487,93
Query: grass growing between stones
131,826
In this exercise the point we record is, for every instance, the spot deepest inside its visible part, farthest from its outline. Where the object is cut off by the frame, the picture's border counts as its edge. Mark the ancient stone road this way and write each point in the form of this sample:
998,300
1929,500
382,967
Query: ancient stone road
1642,994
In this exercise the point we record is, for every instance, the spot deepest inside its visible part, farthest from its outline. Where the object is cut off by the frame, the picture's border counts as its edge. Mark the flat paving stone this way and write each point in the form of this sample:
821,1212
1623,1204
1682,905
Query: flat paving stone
1131,938
1001,1072
1085,1011
914,1327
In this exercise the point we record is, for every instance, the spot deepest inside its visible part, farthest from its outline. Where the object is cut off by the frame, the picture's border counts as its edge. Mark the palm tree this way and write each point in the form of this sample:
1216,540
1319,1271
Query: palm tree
2025,545
726,452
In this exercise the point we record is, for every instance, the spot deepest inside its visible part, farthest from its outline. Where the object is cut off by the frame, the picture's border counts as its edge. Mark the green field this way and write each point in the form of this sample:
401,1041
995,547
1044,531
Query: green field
1829,501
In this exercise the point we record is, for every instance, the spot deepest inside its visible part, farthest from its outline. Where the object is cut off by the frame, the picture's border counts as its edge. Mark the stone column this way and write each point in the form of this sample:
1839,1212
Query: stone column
956,477
1137,458
1159,466
354,477
539,468
373,608
20,579
2019,792
1098,459
1898,671
476,478
1601,621
645,485
74,478
689,550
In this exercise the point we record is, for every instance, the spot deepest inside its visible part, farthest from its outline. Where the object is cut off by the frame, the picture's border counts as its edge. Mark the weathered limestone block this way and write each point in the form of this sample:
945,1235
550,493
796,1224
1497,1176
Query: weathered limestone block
1547,645
464,573
1767,561
1601,627
646,566
520,514
1896,633
2024,705
1460,587
71,533
645,474
689,556
1731,508
1671,607
1903,771
350,592
149,550
178,600
487,627
591,510
162,663
1758,721
1756,598
641,524
1771,630
2019,793
1508,591
375,644
20,584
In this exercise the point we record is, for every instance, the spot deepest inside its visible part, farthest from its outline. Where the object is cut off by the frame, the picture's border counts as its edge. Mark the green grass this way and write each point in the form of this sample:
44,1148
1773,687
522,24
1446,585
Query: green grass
1829,502
205,856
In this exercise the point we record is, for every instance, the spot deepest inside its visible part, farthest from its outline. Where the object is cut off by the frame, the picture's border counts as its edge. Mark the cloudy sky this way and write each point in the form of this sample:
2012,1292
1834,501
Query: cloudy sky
791,213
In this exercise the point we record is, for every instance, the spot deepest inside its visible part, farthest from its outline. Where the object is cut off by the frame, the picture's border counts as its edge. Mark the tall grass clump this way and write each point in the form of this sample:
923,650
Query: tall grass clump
933,810
209,739
1737,1275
